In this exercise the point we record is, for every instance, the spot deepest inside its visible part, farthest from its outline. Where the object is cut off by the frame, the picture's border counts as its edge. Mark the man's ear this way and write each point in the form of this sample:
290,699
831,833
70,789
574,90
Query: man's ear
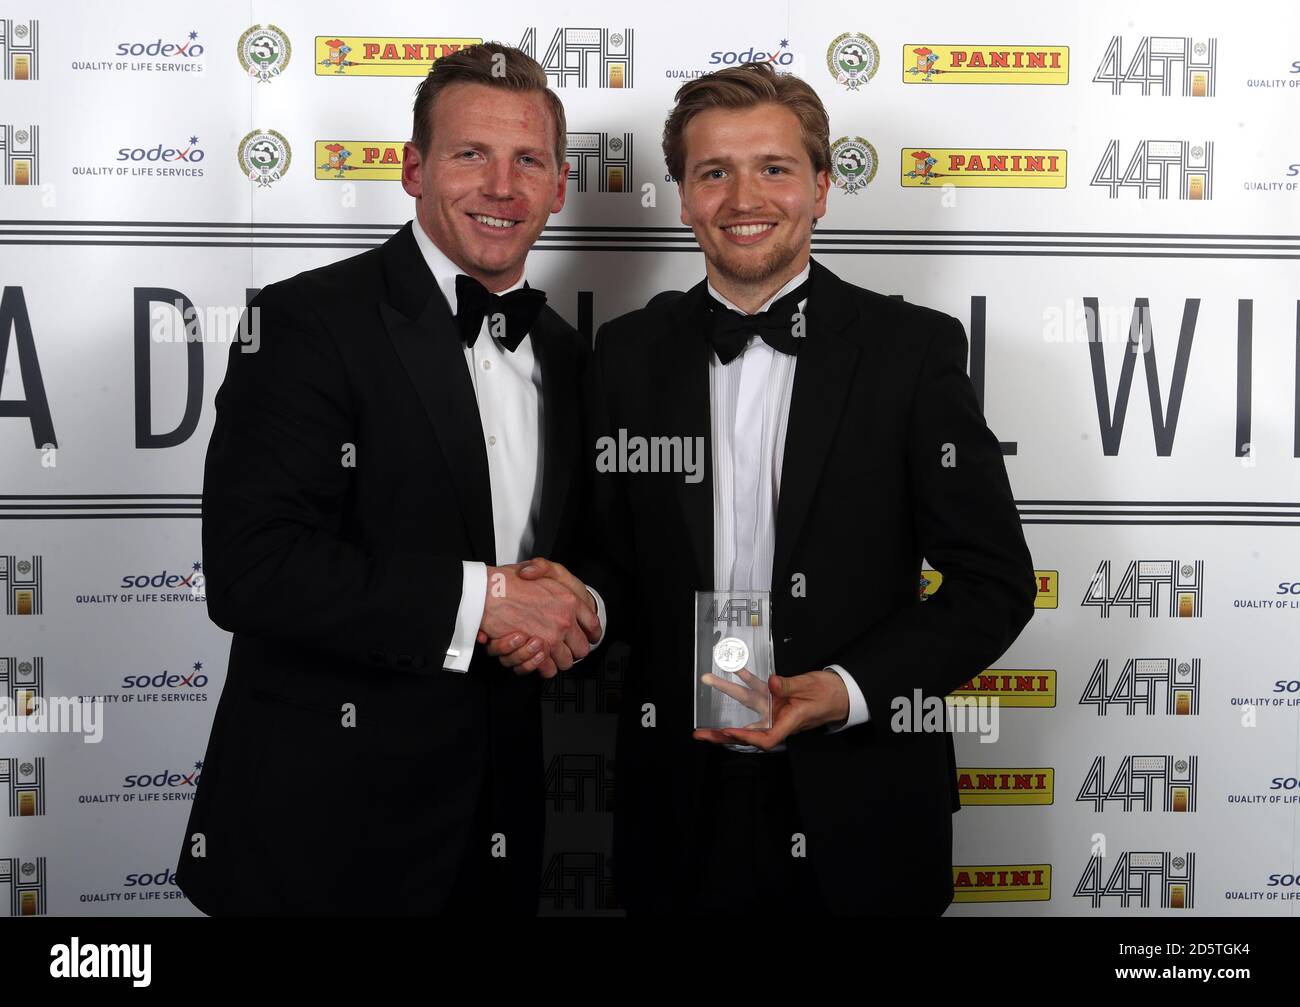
412,162
681,201
823,187
561,188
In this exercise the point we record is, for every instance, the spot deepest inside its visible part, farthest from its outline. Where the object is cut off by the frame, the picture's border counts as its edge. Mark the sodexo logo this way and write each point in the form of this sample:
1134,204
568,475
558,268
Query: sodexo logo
189,48
190,153
781,56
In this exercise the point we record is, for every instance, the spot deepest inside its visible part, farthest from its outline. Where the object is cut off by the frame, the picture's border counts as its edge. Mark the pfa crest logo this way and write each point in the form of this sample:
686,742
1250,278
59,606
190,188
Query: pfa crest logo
853,163
264,156
853,59
264,52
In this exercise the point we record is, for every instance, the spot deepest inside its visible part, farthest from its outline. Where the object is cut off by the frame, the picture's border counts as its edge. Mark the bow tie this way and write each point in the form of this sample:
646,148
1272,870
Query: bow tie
730,330
474,302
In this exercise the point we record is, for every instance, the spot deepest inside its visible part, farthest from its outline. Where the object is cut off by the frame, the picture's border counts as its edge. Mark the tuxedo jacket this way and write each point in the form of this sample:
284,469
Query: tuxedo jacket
345,483
887,460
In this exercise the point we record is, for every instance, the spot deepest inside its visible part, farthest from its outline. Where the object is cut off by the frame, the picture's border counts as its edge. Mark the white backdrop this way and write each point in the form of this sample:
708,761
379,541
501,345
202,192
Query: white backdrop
127,123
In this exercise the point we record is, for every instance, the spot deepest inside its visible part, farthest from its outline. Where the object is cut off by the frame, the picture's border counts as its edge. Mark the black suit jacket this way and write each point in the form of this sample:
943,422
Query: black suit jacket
340,583
880,388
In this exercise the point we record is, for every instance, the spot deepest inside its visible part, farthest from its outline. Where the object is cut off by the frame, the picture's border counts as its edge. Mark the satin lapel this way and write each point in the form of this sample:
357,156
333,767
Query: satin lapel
822,379
560,405
681,380
427,342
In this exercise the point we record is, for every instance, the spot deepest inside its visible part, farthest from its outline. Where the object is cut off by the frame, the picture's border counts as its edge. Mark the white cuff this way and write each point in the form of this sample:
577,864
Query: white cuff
473,598
858,712
600,615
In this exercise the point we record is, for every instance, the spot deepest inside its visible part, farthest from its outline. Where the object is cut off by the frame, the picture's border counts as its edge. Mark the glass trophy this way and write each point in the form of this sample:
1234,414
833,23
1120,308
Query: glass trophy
733,659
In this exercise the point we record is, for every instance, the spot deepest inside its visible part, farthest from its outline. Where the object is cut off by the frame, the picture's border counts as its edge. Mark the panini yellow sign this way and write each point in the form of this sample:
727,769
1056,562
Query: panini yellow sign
373,56
983,167
1020,785
1048,586
1001,882
979,64
359,160
1029,689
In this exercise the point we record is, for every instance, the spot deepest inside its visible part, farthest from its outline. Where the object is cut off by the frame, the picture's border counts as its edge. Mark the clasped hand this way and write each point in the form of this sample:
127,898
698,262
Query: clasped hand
538,617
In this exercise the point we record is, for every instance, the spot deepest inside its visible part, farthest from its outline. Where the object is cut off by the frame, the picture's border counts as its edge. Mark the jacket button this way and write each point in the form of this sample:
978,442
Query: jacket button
404,661
376,656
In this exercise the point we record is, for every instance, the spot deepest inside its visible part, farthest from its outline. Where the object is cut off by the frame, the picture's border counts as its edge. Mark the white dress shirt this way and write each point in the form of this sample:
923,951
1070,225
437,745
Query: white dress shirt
749,407
508,388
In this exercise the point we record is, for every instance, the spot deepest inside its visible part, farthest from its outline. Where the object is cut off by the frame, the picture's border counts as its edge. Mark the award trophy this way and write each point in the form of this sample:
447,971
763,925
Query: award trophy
733,659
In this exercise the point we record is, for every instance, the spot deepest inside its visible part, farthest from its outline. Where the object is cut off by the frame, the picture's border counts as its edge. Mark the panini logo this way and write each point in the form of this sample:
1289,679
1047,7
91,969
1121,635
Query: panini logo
984,167
1048,586
989,787
1034,689
359,160
964,64
1001,882
372,56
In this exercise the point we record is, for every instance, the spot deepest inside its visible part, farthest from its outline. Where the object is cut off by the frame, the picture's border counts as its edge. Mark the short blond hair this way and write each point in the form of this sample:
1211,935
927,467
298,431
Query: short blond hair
745,86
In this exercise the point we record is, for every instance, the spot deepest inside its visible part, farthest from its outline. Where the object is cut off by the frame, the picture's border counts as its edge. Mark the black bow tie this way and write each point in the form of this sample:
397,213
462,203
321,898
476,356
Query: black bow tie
474,302
729,330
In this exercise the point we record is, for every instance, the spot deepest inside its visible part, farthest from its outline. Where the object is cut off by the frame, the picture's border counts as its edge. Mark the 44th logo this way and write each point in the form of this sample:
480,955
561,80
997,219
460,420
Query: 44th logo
1137,780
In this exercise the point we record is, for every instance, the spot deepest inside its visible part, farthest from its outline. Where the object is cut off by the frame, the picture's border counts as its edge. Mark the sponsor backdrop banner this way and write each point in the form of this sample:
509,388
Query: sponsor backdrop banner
1108,199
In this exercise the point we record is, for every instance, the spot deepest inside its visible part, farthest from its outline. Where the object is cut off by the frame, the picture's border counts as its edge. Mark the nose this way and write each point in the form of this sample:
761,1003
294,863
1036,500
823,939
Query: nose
744,196
498,180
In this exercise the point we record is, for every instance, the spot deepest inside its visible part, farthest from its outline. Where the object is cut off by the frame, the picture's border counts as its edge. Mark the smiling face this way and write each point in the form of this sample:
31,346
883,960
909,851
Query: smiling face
489,180
750,194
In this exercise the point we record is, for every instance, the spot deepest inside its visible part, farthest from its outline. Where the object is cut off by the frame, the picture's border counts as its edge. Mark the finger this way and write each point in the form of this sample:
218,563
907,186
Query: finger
530,663
578,644
482,637
534,648
754,700
707,734
548,669
533,569
558,572
562,656
785,725
589,622
506,644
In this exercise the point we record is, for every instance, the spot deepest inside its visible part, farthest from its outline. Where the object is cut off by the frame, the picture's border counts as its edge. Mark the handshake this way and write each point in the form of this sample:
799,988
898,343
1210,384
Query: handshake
538,617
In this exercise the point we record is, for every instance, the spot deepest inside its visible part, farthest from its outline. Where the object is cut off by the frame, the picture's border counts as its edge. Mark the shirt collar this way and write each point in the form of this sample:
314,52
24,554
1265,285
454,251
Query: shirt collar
445,271
794,282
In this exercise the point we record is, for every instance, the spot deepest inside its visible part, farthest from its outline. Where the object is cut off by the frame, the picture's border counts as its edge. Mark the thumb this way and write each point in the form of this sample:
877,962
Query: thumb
779,686
534,569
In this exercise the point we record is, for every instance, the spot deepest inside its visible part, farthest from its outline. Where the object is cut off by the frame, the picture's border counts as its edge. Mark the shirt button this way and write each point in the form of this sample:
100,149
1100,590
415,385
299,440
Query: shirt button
492,440
487,365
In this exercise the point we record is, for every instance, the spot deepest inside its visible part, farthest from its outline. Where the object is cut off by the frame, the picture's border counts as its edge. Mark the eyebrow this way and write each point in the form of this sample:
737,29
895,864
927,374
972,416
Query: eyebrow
466,142
765,158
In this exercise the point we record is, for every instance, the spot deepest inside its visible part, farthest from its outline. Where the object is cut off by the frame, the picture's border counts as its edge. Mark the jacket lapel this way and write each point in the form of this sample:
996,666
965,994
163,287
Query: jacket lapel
682,380
560,397
822,378
427,342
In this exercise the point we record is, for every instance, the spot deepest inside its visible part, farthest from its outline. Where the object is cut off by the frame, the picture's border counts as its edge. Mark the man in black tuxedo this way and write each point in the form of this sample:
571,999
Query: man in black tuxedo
844,443
406,434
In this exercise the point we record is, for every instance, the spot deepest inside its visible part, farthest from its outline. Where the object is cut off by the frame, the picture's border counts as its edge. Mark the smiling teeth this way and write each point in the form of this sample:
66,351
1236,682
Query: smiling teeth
745,230
483,218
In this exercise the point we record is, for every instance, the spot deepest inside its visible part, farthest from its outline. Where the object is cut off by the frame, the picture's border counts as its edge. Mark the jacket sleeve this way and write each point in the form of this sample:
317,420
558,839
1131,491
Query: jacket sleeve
278,560
609,562
968,528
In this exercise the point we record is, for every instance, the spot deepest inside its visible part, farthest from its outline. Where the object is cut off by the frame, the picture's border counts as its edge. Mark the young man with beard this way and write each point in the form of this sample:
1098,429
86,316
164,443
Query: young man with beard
844,443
